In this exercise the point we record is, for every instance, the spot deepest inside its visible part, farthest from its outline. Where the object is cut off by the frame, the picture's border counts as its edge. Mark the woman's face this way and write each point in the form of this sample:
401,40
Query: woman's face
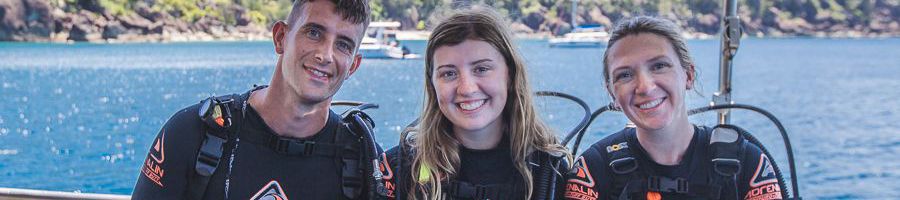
647,81
470,80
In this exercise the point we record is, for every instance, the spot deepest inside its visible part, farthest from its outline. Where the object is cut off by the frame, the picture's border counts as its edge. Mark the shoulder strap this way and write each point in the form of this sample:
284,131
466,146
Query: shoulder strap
547,170
217,115
624,163
360,162
726,144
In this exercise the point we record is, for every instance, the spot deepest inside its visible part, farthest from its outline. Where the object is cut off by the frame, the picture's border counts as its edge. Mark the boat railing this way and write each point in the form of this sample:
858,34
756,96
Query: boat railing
29,194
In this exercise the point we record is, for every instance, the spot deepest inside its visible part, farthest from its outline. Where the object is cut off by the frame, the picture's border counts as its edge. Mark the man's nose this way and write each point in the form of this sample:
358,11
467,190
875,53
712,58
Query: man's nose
324,54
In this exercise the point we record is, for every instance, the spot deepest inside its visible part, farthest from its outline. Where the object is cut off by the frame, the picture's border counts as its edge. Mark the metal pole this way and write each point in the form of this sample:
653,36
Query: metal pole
731,38
574,13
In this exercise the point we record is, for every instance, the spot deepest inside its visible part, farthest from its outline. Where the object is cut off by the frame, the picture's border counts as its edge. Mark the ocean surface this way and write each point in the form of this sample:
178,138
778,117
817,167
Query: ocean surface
81,117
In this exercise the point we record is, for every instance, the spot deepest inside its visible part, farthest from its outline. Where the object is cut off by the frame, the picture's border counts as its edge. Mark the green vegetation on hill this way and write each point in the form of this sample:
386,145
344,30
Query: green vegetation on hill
189,20
259,11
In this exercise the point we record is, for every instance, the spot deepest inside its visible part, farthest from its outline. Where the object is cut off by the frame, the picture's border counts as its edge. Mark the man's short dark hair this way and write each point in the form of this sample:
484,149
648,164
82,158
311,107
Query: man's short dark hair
355,11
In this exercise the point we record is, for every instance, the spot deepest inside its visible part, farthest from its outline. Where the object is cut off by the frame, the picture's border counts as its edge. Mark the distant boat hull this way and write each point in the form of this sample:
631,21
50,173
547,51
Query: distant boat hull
582,37
577,44
375,51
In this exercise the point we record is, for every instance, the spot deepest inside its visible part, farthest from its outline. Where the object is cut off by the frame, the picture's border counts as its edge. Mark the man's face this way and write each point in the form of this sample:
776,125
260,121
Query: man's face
318,51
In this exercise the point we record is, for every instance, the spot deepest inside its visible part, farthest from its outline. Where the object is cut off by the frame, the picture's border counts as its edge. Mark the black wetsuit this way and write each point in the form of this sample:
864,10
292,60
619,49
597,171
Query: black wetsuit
592,177
250,167
492,167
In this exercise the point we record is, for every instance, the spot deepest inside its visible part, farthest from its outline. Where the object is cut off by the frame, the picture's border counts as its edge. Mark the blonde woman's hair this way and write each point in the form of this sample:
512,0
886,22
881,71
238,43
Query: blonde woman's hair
652,25
436,157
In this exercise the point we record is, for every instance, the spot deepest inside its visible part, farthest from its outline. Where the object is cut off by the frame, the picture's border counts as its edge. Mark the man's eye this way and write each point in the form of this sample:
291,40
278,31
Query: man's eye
344,47
314,34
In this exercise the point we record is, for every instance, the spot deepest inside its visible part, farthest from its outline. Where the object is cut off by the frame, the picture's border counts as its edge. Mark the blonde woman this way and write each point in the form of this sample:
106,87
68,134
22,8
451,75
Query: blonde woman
479,136
648,71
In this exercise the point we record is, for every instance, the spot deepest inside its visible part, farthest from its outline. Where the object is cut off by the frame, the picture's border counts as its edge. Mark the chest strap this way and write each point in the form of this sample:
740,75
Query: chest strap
466,190
295,147
638,180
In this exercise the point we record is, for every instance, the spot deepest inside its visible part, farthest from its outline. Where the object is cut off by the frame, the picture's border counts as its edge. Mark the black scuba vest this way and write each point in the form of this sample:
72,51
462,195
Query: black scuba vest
224,117
716,161
547,171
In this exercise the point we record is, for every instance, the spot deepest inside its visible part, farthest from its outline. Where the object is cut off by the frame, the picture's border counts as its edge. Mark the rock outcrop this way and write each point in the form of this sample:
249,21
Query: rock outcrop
39,20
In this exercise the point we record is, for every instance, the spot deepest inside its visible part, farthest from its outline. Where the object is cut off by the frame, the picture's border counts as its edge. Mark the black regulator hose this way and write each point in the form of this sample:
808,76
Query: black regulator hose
580,133
545,180
749,137
376,185
784,136
585,121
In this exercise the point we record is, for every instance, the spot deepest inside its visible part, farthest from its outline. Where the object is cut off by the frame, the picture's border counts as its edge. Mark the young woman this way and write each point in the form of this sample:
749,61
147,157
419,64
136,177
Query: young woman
648,70
479,136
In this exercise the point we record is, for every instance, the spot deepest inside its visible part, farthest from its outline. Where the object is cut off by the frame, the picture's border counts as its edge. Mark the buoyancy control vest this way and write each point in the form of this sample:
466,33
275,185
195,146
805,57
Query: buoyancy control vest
547,170
354,149
720,159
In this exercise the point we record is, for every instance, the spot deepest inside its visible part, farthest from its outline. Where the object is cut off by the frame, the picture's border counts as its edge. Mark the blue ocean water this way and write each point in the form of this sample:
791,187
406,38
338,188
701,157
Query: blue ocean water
81,117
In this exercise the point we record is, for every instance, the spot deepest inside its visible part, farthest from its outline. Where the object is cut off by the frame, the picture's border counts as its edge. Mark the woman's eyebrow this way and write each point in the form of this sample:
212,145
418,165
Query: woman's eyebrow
480,61
446,65
659,58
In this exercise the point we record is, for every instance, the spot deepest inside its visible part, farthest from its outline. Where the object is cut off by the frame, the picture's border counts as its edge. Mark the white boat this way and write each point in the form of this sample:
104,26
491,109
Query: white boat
593,36
581,36
381,42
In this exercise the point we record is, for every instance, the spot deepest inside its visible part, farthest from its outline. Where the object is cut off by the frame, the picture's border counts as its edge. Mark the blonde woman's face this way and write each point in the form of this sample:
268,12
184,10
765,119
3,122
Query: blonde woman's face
470,80
647,81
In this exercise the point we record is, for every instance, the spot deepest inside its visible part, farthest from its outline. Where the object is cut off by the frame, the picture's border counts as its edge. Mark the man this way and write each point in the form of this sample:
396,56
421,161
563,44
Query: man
280,141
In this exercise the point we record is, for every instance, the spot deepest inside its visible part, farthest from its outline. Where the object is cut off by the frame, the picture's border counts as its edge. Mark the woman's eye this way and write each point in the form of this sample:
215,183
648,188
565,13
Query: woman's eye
481,69
622,76
449,75
659,66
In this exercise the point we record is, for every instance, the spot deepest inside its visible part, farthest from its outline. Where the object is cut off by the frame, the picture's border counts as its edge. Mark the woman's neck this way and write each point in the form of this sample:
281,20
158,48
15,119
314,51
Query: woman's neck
482,139
667,146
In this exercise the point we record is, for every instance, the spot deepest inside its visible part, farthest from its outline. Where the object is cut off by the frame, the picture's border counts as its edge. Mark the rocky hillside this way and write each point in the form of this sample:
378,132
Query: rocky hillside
137,20
820,18
198,20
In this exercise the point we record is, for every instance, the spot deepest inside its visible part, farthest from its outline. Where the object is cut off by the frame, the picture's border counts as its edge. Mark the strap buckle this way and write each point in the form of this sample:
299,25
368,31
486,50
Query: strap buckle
666,184
623,165
292,147
726,166
209,155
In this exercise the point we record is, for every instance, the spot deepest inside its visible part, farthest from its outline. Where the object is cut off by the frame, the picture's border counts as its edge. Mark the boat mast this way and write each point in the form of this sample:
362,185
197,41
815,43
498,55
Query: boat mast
574,13
731,39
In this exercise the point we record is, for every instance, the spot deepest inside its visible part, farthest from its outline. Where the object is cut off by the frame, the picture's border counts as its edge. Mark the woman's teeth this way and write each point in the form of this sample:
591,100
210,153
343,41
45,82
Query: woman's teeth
651,104
472,105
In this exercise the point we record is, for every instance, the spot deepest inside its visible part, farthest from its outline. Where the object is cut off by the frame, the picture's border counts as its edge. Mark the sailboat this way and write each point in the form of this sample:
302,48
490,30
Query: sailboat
581,36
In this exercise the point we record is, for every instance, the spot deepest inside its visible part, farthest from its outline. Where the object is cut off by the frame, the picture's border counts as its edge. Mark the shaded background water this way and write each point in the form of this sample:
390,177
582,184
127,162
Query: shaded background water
81,117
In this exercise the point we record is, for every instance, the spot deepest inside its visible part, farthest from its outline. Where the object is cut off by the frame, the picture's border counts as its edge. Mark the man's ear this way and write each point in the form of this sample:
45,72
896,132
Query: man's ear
355,65
278,31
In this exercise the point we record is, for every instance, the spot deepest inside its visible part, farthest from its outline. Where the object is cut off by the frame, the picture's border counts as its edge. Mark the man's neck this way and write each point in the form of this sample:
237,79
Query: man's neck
667,146
285,114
